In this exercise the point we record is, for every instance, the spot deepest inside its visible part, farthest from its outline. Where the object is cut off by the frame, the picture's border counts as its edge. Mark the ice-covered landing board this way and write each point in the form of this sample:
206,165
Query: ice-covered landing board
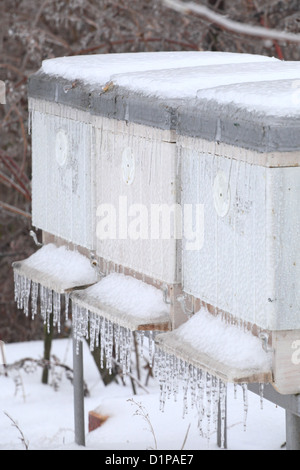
111,310
223,350
57,268
125,301
47,275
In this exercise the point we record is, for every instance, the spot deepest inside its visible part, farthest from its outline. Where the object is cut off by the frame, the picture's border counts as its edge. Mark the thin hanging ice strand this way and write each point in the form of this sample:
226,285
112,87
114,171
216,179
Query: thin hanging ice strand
222,411
151,348
34,299
27,286
49,296
261,395
67,302
245,401
56,310
208,403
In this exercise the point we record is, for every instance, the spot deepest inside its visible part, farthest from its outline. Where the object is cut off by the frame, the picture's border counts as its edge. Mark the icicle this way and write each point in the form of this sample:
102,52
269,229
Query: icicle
129,348
162,381
151,348
222,408
26,295
261,395
67,301
109,352
29,122
117,342
102,343
215,394
49,300
186,378
34,298
56,310
208,406
43,303
201,408
142,334
245,401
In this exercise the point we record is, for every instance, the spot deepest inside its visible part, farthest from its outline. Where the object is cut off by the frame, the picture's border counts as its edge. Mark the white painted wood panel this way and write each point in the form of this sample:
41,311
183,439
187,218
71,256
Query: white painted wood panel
249,263
62,176
136,175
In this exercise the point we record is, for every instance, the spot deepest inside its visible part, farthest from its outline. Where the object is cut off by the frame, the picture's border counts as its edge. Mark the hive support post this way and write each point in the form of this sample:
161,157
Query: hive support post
292,424
78,386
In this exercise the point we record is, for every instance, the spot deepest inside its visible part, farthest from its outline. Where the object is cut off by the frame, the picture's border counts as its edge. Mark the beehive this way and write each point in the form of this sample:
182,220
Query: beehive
241,161
129,134
99,144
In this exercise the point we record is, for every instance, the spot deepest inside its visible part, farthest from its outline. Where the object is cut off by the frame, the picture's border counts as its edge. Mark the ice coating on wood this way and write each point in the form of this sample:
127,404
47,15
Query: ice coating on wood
226,343
222,349
98,69
276,97
62,178
128,294
185,82
109,311
142,203
43,279
64,267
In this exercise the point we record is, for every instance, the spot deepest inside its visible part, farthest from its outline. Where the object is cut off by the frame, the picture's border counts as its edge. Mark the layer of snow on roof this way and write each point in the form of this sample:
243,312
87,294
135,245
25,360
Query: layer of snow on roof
277,97
130,295
223,342
99,68
65,265
185,83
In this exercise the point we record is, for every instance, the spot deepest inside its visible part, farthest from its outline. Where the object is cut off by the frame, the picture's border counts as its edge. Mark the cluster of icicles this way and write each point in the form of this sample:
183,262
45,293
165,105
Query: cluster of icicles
207,393
115,341
30,295
201,391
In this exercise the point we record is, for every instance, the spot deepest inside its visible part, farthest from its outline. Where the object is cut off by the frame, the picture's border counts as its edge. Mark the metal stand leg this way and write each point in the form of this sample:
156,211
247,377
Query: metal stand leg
78,386
292,431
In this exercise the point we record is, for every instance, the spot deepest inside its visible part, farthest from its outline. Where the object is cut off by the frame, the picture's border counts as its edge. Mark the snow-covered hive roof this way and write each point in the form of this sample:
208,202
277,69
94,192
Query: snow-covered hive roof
127,86
193,92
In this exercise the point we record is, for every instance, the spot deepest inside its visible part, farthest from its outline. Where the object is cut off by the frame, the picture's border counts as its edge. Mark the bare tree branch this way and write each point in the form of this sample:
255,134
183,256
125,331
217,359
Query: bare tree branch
14,210
230,25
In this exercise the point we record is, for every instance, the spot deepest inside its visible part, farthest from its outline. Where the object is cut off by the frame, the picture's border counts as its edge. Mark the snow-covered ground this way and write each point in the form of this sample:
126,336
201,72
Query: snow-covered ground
45,416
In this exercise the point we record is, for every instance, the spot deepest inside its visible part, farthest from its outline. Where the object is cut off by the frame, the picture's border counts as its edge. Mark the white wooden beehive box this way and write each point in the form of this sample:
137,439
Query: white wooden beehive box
98,143
241,161
116,137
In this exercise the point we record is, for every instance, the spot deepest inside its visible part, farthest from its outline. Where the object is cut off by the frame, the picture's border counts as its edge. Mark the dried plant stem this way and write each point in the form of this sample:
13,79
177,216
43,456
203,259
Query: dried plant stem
22,437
